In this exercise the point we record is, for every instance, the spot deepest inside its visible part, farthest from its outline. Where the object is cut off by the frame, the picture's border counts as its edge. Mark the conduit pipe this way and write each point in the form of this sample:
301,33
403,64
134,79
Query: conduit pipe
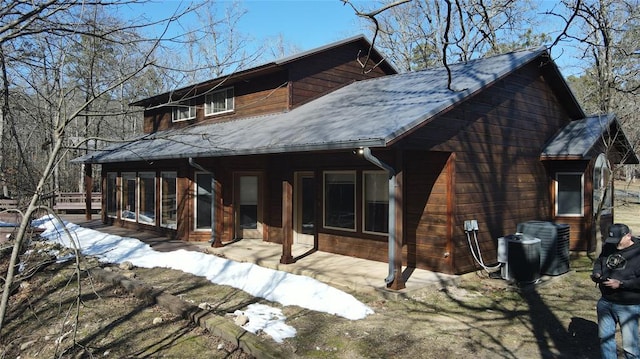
195,165
366,152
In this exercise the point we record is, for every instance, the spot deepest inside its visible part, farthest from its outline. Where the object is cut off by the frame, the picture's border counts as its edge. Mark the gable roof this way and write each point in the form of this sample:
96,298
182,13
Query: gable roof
368,113
579,140
267,68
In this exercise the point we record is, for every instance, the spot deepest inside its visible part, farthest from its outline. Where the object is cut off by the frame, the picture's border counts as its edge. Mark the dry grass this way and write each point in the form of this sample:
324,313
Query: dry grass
627,209
479,318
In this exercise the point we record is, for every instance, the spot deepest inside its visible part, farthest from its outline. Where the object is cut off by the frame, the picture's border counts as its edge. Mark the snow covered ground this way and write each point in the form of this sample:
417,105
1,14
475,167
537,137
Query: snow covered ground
277,286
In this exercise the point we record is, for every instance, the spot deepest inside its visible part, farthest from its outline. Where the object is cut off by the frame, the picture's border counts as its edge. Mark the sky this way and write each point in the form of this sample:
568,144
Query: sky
308,24
276,286
304,23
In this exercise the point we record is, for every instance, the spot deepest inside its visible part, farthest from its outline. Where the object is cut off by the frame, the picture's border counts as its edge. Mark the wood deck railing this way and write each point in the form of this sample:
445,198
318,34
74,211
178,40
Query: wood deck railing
67,202
8,203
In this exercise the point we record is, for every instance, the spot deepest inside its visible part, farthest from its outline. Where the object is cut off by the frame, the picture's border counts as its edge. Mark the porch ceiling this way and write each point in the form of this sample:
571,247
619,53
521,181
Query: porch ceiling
371,113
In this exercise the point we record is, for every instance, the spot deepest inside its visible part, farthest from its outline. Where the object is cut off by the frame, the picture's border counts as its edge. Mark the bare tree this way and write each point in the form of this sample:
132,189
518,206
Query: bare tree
72,67
424,33
278,47
37,45
213,46
604,36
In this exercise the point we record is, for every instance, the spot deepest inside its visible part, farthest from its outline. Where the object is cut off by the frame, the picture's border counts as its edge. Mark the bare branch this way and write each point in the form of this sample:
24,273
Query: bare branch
372,17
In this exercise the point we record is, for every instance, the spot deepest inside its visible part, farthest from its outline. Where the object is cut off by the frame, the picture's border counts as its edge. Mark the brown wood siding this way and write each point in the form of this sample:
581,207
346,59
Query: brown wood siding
316,76
496,136
294,84
278,172
353,246
427,188
582,228
268,94
258,96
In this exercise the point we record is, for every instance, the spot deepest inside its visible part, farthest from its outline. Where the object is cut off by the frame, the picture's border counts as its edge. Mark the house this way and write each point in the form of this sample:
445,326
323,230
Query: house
372,164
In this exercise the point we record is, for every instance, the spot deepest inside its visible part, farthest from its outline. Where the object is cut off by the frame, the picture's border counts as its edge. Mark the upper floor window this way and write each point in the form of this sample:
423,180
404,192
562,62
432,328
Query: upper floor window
184,112
219,102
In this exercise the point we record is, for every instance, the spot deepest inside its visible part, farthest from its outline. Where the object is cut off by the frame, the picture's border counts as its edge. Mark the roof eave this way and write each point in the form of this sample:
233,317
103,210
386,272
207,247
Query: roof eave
545,157
346,145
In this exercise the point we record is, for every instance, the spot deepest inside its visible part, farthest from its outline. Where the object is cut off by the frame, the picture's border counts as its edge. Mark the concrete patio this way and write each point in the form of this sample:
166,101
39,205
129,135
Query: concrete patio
344,272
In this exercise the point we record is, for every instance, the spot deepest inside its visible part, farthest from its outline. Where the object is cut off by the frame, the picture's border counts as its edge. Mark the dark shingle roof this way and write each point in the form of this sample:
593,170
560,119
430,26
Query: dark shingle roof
579,138
369,113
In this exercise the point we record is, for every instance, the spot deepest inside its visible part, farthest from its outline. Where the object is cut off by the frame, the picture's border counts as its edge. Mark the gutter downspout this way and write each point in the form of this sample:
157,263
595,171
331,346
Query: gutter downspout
193,164
392,209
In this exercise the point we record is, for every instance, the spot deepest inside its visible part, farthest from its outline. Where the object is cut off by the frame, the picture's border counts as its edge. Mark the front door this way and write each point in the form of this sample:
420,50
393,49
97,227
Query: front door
304,208
248,208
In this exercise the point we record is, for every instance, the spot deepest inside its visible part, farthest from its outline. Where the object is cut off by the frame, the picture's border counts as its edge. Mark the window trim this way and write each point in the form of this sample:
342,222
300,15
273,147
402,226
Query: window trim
174,112
229,97
557,185
364,204
355,201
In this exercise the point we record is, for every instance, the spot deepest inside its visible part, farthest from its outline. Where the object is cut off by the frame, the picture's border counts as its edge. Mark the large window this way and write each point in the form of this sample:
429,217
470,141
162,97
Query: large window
219,101
147,208
204,199
569,194
128,196
602,186
339,200
168,201
376,202
184,111
111,195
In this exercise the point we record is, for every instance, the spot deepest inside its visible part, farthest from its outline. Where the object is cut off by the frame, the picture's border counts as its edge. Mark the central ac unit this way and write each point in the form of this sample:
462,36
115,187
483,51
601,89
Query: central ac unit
554,244
520,258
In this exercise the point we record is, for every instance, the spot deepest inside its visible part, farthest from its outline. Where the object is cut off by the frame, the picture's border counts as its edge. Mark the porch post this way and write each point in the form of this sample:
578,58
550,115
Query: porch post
398,280
88,188
287,222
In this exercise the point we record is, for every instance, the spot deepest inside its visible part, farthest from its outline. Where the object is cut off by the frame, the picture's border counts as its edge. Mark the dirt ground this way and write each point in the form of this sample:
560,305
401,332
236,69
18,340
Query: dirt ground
480,317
